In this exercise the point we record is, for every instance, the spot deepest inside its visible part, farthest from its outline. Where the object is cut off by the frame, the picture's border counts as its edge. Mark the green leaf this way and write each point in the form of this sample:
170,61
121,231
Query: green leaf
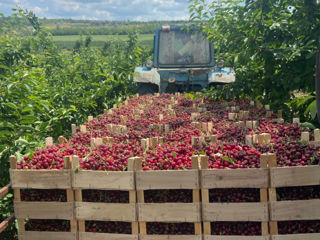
21,142
10,105
308,125
5,133
27,119
4,67
6,124
312,109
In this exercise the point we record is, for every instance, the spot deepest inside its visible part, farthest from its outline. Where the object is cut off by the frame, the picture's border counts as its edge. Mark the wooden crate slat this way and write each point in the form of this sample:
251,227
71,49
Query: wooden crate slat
295,176
44,210
105,211
104,236
235,212
235,178
170,237
33,235
4,190
6,223
295,210
207,237
169,212
171,179
307,236
103,180
40,179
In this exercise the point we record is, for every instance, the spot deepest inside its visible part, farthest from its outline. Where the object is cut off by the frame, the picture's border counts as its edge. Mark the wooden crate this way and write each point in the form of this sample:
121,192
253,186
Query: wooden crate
92,211
43,179
170,237
34,235
234,212
169,212
292,210
207,237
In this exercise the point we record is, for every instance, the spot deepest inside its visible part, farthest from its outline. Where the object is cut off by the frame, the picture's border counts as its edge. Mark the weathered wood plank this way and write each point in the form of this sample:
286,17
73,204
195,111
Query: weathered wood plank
6,223
235,212
235,178
207,237
4,190
170,237
308,236
44,210
103,180
316,143
105,211
172,179
295,210
104,236
295,176
169,212
41,179
33,235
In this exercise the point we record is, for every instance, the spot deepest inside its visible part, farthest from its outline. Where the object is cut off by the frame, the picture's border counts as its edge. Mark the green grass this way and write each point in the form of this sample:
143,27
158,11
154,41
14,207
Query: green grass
68,42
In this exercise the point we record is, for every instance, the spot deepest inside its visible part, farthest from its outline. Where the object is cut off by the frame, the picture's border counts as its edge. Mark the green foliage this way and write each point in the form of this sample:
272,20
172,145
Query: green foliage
271,44
44,89
304,107
6,208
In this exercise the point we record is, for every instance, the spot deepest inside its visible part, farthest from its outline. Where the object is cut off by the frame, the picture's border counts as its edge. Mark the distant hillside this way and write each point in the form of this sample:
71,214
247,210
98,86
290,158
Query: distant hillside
62,27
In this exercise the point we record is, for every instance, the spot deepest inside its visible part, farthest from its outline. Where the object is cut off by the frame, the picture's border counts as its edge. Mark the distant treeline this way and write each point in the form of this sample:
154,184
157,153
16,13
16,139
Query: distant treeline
62,27
59,27
121,30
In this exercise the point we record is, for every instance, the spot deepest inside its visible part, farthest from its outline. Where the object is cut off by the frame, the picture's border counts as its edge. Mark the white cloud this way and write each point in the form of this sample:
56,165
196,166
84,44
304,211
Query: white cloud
40,11
142,10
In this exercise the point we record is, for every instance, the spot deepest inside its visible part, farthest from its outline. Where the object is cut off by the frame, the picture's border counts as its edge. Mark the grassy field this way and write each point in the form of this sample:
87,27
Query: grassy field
98,40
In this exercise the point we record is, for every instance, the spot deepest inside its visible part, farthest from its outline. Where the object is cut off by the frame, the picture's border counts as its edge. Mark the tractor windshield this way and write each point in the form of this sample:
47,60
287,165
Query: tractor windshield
177,47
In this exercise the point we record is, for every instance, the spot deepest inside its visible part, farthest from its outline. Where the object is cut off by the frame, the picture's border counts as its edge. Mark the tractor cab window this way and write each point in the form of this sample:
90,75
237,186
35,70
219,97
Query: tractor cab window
183,48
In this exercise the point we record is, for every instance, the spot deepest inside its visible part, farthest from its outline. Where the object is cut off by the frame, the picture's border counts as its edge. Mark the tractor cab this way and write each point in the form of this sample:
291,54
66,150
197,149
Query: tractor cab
183,61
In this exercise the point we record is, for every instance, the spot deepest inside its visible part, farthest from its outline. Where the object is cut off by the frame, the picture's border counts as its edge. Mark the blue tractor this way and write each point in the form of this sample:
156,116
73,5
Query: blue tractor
183,62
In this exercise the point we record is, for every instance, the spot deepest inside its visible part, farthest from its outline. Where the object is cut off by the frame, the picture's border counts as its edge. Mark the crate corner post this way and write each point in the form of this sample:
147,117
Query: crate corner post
17,194
204,165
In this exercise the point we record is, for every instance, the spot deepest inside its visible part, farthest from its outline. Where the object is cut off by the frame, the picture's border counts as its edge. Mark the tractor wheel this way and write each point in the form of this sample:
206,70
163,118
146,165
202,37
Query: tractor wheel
147,88
171,88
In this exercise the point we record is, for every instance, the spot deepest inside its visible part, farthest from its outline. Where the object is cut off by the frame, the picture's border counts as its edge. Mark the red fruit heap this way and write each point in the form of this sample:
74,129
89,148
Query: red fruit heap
51,157
235,195
105,196
293,153
294,227
236,228
232,156
298,193
170,228
45,195
163,196
112,157
42,225
146,117
165,157
108,227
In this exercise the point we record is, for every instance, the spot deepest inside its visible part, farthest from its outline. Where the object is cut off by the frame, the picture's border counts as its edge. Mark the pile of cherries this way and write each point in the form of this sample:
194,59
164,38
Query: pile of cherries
140,115
43,225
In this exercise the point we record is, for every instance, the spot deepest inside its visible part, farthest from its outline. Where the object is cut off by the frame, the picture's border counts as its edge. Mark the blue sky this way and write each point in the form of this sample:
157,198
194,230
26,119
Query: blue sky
141,10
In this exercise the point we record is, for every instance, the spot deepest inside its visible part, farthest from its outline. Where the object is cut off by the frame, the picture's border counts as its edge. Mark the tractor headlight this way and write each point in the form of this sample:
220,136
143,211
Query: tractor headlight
149,64
220,64
171,80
